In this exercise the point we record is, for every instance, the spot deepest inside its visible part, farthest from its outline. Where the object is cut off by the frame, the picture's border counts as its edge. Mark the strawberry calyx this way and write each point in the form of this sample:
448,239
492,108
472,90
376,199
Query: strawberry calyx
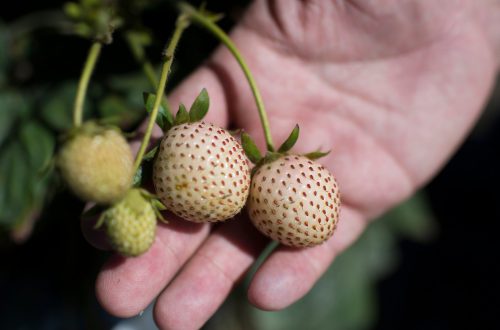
166,120
136,200
254,155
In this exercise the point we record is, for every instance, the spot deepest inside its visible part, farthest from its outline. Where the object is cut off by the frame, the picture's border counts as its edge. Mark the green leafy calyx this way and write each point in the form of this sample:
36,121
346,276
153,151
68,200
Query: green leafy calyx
199,108
290,141
254,155
182,115
164,119
250,148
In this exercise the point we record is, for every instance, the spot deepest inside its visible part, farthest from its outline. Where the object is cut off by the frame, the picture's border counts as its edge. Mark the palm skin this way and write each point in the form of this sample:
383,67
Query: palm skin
391,89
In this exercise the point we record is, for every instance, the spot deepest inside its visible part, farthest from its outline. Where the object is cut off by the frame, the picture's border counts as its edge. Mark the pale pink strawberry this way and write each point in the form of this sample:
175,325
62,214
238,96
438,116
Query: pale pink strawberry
201,173
295,201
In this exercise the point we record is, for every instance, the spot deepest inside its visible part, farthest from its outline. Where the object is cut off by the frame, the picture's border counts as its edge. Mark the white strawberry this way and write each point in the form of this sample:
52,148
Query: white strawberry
97,163
294,201
201,172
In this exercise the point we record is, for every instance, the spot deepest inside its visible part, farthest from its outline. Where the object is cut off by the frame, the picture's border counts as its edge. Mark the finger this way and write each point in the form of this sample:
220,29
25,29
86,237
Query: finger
208,278
125,286
289,273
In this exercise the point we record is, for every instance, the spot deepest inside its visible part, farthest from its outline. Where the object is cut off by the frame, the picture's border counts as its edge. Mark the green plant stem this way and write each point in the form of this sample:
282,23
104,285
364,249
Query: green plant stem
83,84
168,57
140,56
201,19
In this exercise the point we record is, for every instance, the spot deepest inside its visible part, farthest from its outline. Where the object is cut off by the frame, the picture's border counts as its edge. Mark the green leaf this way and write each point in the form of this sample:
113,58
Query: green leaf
3,54
290,141
13,106
73,10
199,108
164,119
15,182
39,144
316,154
7,117
182,115
158,205
137,180
57,109
151,153
114,109
250,148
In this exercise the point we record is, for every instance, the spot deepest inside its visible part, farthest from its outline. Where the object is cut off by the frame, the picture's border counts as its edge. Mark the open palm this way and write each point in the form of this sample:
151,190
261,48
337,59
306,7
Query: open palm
391,89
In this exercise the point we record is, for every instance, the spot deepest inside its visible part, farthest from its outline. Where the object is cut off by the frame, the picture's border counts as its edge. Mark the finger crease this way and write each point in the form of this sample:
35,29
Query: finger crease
229,279
171,251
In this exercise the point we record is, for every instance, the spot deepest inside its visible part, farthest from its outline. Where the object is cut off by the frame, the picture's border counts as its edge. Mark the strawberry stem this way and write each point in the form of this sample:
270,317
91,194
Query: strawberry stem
208,23
168,57
83,84
139,54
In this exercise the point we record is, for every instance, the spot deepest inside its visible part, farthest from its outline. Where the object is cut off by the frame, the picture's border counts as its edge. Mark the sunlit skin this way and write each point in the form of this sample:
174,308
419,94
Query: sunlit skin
391,87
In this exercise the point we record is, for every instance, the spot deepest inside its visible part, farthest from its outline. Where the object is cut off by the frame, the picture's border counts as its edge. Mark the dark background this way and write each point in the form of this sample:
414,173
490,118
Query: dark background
439,270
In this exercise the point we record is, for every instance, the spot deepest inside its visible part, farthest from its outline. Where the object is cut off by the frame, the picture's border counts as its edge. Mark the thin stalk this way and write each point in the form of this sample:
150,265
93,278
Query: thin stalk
208,24
140,56
83,84
168,57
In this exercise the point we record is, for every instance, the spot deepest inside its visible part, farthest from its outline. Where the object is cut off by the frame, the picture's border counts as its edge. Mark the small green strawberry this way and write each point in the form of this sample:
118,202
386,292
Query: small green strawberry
201,172
293,199
97,163
131,223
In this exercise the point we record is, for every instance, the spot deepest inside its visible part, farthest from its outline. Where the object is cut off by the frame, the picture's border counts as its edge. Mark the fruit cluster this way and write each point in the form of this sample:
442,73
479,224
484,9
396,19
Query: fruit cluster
201,172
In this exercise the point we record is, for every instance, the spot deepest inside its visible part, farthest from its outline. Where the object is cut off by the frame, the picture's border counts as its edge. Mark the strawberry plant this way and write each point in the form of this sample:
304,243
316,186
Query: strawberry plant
293,199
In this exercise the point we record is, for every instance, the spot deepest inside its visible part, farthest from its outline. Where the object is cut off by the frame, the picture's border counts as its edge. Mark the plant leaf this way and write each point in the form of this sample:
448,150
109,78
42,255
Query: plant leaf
15,182
199,108
39,144
250,148
164,119
290,141
56,107
316,154
159,205
115,110
151,153
182,115
137,180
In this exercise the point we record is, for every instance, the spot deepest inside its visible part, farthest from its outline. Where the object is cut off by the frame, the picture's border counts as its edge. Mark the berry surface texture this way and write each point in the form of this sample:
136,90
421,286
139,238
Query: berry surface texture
201,173
294,201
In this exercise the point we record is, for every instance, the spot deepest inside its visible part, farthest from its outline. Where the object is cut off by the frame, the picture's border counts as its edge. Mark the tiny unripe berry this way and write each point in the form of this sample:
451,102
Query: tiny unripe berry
131,224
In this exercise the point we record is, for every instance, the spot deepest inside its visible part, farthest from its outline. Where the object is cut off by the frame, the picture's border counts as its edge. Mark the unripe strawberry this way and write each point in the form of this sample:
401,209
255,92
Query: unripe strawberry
201,173
97,164
295,201
131,224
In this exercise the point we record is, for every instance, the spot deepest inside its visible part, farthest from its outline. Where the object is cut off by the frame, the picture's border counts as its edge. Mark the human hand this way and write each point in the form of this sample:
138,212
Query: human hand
391,89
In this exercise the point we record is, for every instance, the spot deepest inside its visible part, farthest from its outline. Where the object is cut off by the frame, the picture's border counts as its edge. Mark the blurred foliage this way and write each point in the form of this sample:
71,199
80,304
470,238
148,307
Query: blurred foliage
94,19
32,117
